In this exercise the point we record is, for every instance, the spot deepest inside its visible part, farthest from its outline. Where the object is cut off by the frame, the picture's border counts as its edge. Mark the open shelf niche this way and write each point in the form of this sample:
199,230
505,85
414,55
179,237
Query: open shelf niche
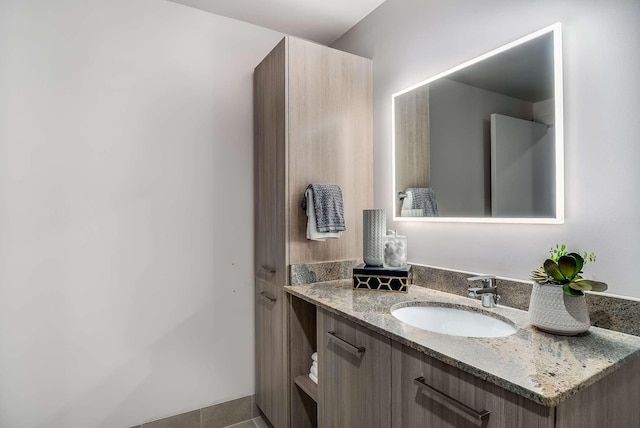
302,344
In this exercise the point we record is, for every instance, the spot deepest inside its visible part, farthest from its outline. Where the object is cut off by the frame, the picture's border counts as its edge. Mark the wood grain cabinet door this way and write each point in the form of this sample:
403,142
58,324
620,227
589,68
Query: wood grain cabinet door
271,361
354,375
429,393
613,401
270,167
330,131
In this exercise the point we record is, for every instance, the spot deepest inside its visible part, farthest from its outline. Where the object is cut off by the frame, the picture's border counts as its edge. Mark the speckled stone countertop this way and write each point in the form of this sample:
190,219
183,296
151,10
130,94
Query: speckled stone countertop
541,367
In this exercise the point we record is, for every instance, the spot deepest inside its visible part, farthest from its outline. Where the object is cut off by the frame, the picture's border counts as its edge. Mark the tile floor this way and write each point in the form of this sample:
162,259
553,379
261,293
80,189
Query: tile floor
252,423
222,415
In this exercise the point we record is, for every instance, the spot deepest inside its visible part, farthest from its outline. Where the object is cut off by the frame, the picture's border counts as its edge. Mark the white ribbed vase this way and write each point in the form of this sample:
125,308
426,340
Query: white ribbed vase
554,312
374,225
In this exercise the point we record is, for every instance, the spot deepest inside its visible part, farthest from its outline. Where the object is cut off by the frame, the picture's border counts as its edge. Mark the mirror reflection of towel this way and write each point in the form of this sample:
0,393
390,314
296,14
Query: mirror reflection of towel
420,199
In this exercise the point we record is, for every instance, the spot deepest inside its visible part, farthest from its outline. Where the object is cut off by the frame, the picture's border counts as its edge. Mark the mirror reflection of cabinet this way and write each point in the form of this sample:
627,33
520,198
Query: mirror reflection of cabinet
522,168
443,137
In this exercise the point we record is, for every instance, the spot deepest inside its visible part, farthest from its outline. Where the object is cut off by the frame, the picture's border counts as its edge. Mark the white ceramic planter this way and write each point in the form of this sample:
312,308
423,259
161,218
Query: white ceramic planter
554,312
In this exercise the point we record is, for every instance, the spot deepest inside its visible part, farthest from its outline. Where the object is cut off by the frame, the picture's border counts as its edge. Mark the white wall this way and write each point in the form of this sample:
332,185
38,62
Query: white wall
126,210
410,40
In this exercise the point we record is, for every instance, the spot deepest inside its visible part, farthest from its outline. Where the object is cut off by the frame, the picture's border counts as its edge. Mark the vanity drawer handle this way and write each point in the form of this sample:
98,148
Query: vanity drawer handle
476,416
268,297
267,271
355,350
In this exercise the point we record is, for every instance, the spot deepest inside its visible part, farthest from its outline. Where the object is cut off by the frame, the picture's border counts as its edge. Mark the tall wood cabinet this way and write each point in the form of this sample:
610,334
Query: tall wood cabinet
312,124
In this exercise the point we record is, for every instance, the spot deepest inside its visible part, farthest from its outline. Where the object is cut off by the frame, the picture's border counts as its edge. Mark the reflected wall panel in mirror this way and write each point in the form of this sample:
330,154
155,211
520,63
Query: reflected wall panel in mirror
482,142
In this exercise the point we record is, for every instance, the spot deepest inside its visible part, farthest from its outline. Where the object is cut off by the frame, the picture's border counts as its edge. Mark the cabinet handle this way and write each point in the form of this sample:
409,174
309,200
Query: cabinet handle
268,271
268,297
478,416
355,350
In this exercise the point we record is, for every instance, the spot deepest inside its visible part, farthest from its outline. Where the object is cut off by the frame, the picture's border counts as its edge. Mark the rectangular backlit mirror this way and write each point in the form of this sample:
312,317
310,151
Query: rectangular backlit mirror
483,141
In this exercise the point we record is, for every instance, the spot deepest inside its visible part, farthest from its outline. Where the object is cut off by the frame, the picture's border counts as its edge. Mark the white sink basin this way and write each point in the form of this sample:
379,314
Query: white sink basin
453,321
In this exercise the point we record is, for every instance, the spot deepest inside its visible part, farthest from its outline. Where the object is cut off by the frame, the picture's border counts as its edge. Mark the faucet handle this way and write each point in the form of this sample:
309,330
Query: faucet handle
487,280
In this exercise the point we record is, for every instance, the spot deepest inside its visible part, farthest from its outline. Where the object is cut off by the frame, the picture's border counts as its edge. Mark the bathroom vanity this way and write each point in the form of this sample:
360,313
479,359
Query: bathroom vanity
377,371
313,124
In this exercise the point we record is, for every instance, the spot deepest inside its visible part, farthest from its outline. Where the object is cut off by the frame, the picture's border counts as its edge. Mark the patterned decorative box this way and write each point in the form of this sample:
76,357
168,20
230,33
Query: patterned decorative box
381,279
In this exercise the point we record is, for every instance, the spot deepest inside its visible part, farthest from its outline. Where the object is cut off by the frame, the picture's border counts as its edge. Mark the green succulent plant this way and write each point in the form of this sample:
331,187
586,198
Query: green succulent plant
565,270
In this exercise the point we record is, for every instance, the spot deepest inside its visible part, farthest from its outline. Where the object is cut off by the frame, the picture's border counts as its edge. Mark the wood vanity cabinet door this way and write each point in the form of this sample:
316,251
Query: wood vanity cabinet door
354,373
270,215
271,351
415,406
613,401
330,131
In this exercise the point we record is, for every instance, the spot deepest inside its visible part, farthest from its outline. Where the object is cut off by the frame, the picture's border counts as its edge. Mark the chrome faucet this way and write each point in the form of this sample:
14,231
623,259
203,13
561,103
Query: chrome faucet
488,292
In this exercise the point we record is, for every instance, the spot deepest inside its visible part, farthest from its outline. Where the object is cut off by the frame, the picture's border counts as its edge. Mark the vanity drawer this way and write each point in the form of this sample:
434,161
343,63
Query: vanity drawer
354,375
429,393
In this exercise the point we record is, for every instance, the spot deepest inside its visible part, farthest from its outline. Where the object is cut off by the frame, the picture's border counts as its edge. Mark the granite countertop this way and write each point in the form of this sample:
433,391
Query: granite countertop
541,367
